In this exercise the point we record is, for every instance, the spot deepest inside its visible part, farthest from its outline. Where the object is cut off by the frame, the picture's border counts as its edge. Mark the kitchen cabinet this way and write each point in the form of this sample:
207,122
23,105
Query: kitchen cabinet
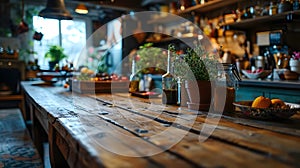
288,91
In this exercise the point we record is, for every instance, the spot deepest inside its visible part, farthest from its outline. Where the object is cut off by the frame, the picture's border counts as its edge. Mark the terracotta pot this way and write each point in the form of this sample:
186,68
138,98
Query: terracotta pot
199,93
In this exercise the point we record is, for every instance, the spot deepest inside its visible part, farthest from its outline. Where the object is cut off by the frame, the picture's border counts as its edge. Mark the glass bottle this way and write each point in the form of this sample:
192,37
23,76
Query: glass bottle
169,85
179,85
273,9
284,5
134,79
296,5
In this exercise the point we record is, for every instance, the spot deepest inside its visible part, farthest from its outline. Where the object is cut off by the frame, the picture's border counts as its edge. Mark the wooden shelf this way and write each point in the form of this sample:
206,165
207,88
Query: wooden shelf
208,6
201,8
266,22
172,39
259,23
11,97
165,19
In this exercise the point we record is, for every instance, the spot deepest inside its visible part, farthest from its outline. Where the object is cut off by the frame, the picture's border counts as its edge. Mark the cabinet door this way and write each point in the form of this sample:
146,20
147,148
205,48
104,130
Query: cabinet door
248,93
287,96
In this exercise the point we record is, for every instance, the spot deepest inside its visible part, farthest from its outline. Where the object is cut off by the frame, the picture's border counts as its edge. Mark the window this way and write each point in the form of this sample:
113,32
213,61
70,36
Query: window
70,34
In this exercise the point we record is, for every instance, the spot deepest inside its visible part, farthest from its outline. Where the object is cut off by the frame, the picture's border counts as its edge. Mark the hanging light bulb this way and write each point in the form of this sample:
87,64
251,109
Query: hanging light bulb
55,9
81,9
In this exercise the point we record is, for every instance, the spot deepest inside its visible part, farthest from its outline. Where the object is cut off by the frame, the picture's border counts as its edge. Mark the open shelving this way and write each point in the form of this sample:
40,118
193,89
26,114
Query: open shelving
208,6
264,23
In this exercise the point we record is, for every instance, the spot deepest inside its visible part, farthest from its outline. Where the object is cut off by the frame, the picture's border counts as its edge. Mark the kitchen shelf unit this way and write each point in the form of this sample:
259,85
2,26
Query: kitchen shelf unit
289,20
187,15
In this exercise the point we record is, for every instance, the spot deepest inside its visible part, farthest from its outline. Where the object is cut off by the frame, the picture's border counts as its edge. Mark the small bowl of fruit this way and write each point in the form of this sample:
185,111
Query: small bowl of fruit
265,108
256,74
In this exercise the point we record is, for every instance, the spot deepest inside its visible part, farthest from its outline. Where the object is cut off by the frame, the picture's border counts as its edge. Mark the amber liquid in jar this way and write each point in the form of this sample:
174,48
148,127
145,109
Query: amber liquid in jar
169,96
230,98
134,86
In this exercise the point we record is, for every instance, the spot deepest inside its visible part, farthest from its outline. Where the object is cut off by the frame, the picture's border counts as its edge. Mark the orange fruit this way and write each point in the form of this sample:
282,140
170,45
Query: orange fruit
277,103
261,102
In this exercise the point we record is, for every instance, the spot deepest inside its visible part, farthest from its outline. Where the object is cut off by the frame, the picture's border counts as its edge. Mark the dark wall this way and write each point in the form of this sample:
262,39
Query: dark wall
4,16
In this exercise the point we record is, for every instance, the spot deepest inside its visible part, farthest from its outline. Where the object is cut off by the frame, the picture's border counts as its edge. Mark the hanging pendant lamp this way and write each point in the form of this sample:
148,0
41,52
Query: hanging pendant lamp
56,9
81,9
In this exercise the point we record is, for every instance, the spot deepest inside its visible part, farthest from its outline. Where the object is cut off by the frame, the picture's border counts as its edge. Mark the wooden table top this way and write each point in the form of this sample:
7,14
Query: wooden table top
122,131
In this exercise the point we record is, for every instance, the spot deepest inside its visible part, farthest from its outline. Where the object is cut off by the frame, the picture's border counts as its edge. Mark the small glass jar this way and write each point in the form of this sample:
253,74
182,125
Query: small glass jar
228,78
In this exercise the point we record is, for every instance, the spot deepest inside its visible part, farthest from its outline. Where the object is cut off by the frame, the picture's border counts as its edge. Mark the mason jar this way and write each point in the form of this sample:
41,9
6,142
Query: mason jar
227,82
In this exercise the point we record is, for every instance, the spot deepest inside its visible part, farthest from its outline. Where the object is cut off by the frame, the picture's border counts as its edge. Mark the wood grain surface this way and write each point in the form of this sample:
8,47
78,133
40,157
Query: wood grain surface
118,130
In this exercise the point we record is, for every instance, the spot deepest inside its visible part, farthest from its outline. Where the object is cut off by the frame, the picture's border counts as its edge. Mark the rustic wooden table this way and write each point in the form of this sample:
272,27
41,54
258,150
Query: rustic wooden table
104,130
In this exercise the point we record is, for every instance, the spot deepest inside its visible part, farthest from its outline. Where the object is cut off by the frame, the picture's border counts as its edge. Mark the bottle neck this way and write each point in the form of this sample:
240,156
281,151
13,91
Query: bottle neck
133,75
169,62
133,70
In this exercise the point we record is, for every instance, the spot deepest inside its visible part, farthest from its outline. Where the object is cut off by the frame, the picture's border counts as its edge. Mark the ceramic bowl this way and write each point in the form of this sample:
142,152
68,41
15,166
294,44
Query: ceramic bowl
258,75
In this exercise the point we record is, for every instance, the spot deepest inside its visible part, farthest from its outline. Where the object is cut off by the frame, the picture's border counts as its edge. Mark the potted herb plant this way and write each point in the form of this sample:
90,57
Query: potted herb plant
197,68
55,54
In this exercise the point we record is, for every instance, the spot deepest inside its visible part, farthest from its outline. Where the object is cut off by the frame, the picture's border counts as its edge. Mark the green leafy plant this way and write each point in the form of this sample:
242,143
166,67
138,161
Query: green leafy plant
55,53
196,63
151,59
102,66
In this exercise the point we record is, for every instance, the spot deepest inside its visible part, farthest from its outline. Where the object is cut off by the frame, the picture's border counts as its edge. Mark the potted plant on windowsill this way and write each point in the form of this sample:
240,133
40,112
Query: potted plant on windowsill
55,54
197,68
